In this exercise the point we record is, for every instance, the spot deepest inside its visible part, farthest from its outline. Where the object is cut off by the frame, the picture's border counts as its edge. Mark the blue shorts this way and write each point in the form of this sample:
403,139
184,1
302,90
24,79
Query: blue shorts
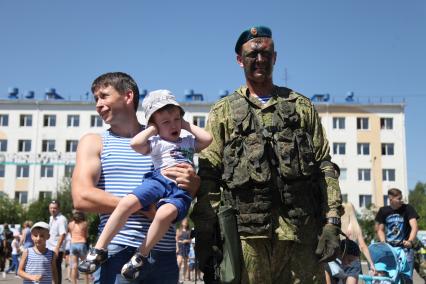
79,249
155,187
353,269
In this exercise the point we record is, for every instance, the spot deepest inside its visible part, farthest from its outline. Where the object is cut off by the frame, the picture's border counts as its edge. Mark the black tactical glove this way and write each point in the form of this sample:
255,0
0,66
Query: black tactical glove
329,243
208,245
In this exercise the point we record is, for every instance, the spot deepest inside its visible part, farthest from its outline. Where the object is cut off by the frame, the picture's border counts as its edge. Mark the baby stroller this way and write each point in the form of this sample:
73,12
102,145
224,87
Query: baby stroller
391,262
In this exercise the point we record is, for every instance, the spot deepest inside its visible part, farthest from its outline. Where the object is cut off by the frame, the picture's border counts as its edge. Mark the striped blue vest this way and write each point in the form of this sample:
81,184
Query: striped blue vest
122,171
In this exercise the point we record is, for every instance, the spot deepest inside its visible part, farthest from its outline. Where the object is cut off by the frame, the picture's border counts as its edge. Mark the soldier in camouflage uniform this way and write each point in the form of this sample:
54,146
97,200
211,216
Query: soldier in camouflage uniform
270,153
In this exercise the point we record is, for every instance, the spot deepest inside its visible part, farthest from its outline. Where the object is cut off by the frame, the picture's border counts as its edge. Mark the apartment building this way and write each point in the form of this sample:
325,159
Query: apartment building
39,138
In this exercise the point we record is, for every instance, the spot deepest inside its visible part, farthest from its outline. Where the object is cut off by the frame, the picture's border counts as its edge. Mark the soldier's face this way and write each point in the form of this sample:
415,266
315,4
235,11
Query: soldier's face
258,59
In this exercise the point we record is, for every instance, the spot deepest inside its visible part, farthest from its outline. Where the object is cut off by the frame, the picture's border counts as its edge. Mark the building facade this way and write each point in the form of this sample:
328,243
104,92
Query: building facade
39,138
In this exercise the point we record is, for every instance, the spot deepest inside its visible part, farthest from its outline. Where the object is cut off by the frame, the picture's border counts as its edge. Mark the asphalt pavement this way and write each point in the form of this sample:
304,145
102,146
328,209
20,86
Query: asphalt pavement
12,279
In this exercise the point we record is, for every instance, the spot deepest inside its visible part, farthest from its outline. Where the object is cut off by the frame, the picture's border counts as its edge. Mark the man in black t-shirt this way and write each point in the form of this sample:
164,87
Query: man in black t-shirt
397,224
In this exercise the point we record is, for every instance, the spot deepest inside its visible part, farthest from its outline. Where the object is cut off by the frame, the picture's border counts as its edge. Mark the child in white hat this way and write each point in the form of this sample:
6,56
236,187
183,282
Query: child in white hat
161,139
38,263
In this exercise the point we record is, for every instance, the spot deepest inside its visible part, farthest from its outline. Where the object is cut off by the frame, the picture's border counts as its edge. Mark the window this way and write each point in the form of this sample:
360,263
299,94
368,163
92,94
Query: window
2,171
3,145
48,145
339,148
69,170
386,123
362,123
199,121
44,195
95,121
364,200
49,120
388,174
338,123
21,197
343,174
73,120
25,120
345,198
364,174
71,145
24,145
387,149
46,171
4,120
22,171
385,200
363,149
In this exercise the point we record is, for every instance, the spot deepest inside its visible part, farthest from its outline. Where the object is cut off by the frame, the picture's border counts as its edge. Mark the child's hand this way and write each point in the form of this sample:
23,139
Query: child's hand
153,127
185,124
37,278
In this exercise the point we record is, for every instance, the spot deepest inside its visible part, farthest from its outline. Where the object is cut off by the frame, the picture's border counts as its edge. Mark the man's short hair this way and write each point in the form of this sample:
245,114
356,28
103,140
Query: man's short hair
55,201
120,81
394,192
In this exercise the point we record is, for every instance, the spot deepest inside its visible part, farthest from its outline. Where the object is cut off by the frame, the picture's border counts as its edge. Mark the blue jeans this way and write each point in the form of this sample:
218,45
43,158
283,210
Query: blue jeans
164,269
15,264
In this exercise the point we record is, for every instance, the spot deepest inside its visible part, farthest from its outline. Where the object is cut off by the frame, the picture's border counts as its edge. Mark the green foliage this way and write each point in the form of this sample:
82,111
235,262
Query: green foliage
11,211
367,223
417,199
64,197
38,210
93,222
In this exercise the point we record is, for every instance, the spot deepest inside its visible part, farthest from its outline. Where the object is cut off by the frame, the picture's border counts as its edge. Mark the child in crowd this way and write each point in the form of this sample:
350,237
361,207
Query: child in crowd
15,253
38,263
161,139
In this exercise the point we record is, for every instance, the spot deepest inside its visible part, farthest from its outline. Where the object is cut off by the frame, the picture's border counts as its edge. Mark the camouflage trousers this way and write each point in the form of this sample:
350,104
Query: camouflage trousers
272,261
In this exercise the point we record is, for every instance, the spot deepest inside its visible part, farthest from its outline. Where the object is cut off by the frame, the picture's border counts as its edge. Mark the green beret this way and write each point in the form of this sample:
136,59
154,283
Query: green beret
251,33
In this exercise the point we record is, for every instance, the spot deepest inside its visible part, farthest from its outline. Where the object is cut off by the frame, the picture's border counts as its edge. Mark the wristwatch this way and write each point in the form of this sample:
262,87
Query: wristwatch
334,221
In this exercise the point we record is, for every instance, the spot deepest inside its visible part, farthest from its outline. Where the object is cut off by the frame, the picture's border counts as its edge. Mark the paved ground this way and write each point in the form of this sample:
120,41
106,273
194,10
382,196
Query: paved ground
10,278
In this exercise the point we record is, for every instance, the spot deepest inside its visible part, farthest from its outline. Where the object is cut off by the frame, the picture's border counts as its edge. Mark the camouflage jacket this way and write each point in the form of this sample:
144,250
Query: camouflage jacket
221,125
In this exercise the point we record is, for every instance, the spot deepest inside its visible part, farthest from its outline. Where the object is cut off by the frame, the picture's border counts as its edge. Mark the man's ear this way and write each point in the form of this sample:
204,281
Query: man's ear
129,96
275,57
240,60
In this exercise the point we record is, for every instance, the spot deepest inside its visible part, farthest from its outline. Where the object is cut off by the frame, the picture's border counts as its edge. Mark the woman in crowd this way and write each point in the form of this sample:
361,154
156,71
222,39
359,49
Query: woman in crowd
183,242
351,247
26,240
79,232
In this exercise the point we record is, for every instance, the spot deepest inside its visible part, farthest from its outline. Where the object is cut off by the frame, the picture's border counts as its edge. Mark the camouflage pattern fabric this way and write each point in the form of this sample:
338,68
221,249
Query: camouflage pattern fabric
221,125
270,262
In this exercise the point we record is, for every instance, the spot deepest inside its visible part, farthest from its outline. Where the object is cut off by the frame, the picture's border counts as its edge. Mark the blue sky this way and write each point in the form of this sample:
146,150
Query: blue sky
375,48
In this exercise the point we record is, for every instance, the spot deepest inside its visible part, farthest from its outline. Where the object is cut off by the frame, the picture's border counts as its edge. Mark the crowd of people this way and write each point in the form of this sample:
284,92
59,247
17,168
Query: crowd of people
263,154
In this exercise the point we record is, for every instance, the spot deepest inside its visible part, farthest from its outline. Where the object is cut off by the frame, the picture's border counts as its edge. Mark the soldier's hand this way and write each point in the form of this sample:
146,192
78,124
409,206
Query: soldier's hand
329,243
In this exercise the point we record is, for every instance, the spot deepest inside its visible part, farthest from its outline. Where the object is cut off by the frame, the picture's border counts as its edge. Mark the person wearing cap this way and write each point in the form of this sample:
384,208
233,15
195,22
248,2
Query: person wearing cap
270,160
38,263
162,140
107,169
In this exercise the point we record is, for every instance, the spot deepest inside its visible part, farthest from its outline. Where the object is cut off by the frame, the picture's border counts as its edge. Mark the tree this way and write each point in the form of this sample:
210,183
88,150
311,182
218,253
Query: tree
11,211
417,199
367,223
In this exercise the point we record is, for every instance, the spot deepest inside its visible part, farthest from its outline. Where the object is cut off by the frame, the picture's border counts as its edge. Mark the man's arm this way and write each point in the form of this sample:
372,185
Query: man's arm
381,232
85,194
413,234
330,175
63,229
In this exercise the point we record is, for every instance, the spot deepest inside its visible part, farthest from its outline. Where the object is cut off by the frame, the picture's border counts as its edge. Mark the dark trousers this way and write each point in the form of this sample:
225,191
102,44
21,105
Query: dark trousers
59,266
